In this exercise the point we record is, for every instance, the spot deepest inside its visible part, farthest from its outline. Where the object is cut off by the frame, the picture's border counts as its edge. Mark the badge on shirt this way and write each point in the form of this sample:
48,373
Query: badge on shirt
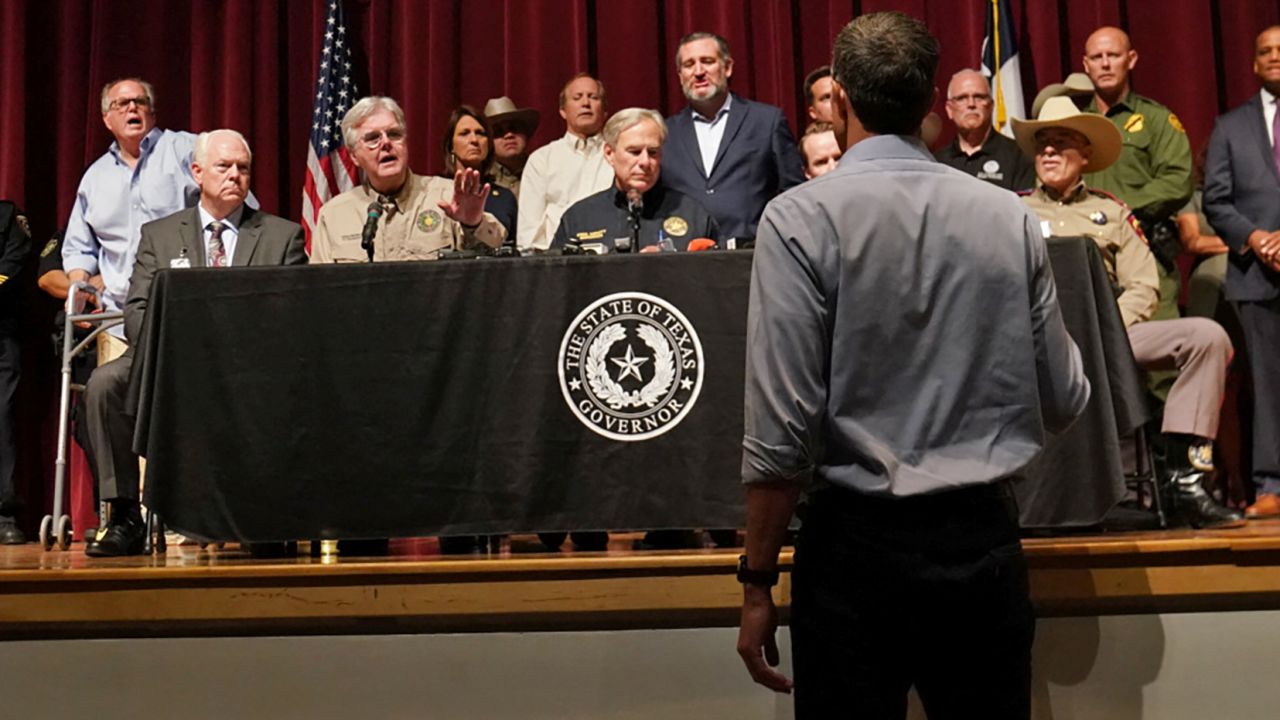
991,166
22,223
1135,123
1098,217
590,234
180,262
428,220
675,226
49,247
1046,230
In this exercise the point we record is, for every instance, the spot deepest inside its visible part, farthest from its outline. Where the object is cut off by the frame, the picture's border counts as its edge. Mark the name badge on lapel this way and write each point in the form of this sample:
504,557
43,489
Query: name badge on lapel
181,261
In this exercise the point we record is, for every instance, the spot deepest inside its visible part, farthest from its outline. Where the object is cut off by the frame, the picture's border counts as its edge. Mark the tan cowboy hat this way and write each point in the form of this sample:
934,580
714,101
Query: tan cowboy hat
499,110
1104,137
1077,83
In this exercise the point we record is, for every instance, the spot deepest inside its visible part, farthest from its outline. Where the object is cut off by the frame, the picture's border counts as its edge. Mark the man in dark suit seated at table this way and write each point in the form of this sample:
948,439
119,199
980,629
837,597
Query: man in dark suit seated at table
1064,142
636,203
1242,201
729,153
221,231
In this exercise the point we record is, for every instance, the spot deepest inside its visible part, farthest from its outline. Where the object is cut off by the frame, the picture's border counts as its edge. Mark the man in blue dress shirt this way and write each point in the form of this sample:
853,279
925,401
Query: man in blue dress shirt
905,356
145,175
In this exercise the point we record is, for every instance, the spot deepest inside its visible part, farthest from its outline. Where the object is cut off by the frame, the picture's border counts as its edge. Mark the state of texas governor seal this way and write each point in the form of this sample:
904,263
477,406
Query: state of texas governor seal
630,366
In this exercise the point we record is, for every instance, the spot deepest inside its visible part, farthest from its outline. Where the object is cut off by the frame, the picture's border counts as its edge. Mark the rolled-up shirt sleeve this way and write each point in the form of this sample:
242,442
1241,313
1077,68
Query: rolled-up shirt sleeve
788,346
1063,388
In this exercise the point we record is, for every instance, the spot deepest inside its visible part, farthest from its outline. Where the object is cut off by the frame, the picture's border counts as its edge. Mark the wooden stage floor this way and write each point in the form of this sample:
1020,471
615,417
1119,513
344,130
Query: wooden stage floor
190,591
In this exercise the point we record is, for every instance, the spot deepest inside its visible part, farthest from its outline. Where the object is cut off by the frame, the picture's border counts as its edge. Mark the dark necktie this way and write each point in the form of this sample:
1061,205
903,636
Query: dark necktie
1275,135
217,254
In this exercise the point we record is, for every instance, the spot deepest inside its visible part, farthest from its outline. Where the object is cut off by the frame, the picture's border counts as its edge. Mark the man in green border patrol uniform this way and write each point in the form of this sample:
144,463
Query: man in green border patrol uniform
1153,174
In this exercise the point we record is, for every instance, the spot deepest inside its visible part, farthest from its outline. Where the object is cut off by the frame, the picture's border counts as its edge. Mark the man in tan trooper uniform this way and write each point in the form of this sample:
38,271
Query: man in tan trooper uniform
420,216
1065,142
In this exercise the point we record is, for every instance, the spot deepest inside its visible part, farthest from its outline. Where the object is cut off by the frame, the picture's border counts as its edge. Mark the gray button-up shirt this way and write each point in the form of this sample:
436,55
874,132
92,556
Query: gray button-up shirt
904,335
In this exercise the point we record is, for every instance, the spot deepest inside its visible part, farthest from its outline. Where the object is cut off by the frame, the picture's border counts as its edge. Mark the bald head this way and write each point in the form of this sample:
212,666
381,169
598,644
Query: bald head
1109,57
969,102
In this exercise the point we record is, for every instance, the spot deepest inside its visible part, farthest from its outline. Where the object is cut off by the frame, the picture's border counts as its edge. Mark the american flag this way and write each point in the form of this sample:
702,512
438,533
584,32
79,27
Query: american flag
330,169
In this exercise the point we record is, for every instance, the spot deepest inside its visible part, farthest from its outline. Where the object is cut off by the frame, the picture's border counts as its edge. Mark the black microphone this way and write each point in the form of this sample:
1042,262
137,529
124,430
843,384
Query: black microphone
370,228
635,205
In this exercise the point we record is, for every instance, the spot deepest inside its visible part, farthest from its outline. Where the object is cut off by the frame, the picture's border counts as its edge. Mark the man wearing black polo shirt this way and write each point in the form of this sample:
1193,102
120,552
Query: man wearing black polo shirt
978,149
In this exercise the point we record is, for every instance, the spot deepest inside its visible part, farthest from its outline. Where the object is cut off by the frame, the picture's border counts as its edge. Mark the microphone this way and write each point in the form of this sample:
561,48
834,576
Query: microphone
370,227
699,244
635,204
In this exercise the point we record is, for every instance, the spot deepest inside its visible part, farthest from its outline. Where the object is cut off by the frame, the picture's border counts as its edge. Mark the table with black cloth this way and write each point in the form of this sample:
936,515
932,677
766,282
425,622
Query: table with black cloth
1080,474
407,399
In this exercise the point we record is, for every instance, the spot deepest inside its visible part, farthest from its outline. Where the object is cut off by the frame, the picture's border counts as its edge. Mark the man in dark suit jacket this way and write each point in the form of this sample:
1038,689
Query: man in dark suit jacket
1242,202
729,153
220,231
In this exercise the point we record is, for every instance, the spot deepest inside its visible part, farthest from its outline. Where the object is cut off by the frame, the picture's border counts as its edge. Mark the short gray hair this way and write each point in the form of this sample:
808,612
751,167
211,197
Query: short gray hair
721,43
146,87
202,144
625,119
362,110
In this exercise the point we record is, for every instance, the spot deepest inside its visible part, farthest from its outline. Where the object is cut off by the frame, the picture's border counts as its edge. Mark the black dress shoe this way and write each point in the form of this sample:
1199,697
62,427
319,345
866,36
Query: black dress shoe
10,534
1193,506
118,539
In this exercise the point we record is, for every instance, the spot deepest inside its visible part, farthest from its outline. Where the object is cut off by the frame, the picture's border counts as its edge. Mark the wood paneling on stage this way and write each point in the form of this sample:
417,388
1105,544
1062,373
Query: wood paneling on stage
190,591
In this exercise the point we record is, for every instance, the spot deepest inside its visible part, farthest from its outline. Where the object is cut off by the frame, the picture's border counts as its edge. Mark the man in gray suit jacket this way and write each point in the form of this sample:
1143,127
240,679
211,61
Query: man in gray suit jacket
728,153
221,231
1242,202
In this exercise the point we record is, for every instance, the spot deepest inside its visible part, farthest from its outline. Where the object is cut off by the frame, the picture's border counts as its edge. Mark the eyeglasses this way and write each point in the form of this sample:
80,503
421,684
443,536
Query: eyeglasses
120,104
976,98
373,138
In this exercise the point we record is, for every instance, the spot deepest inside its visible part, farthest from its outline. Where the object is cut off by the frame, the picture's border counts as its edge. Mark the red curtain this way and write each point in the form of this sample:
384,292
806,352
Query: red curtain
251,65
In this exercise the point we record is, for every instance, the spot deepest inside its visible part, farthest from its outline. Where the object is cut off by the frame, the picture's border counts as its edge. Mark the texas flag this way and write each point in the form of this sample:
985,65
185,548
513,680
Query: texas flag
1000,66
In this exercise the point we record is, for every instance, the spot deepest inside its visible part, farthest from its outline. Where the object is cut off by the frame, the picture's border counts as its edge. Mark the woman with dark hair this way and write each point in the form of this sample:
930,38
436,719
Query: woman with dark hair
467,144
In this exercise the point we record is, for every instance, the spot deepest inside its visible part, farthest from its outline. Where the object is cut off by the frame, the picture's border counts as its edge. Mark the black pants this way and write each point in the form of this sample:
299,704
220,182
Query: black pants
1261,321
10,369
929,591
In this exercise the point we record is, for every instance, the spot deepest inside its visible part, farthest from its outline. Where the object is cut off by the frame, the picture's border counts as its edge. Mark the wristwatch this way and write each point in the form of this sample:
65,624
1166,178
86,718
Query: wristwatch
762,578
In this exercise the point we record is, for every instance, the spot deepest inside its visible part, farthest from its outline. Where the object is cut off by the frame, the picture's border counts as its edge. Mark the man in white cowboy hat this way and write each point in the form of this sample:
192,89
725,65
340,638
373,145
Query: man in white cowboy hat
1066,143
512,127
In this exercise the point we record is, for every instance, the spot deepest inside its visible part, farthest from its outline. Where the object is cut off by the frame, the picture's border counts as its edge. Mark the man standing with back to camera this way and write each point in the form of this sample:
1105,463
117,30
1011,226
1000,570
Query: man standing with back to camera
902,392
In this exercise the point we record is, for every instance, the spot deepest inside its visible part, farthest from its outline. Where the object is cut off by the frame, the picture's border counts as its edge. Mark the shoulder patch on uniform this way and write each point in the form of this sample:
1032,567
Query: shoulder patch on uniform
49,247
1177,124
22,223
1135,123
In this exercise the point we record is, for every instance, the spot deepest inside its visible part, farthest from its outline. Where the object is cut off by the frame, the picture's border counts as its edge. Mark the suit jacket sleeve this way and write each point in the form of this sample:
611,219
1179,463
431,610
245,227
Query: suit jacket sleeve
786,155
1219,191
144,271
295,252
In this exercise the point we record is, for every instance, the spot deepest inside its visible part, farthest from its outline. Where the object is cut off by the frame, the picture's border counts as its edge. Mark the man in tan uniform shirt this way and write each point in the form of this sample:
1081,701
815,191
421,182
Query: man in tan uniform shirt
421,216
1064,142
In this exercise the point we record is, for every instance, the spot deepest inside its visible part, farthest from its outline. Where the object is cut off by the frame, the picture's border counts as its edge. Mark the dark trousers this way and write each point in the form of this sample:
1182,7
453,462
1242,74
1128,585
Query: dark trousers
1261,321
928,591
111,431
10,369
